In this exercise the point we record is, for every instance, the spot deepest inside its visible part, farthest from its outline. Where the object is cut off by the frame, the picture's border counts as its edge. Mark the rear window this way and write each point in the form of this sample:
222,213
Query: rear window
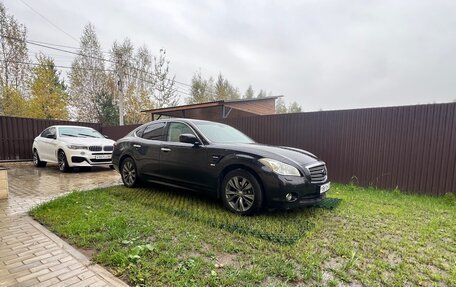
153,131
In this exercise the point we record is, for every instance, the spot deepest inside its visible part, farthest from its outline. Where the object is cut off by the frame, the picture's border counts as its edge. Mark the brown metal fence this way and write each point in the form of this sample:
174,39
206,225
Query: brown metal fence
117,132
412,148
17,134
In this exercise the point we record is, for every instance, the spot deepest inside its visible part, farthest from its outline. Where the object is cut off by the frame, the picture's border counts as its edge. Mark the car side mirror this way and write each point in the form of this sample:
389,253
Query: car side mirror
189,138
51,136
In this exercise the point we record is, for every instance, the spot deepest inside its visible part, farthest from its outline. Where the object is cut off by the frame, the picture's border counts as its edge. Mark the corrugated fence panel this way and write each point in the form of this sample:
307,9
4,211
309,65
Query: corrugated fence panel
17,134
412,148
117,132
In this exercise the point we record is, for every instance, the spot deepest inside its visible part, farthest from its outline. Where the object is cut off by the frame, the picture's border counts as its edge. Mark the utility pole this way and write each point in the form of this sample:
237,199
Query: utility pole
121,95
121,103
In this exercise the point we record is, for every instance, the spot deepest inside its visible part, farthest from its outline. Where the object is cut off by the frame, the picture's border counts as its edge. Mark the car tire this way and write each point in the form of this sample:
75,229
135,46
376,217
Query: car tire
129,173
241,192
62,162
36,159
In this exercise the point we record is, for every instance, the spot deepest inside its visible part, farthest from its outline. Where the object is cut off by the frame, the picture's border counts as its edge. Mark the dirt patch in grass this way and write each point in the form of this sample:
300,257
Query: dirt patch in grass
87,252
226,259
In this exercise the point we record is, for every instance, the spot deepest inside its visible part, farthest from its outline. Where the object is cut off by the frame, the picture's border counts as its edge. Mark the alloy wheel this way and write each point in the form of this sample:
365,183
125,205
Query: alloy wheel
239,193
35,158
129,173
61,161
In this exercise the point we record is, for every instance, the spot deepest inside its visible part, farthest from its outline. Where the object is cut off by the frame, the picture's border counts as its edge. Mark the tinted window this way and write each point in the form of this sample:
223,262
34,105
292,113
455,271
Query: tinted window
45,133
140,131
48,132
220,133
176,129
153,131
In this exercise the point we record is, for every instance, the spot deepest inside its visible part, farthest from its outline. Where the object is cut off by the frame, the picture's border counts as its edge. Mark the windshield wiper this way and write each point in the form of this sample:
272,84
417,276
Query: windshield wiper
87,135
69,135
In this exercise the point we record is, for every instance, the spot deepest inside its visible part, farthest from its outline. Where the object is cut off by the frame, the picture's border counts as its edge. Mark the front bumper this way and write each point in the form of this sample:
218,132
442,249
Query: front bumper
81,158
278,189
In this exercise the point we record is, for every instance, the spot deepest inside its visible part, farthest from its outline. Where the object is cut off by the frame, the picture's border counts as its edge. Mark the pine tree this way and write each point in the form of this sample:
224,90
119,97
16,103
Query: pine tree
107,111
200,90
223,89
294,108
261,94
249,93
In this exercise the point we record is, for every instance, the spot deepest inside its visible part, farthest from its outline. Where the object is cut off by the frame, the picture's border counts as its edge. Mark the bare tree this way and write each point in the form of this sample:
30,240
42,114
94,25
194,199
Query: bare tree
281,108
122,64
140,94
164,92
87,77
14,68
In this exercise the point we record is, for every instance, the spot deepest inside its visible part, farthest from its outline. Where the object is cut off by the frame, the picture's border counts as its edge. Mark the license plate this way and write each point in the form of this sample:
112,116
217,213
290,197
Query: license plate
325,187
103,156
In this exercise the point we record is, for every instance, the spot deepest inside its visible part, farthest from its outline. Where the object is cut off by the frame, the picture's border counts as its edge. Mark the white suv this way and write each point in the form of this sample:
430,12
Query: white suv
72,146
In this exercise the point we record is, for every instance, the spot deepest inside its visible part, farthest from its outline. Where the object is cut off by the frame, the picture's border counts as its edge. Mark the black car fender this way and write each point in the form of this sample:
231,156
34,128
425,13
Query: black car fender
235,161
121,153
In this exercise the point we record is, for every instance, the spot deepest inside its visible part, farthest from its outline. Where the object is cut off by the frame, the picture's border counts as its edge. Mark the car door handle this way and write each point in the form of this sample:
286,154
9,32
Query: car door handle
137,145
165,149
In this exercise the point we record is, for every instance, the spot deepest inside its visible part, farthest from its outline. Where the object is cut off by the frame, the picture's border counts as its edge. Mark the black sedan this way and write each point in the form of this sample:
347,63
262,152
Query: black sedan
220,160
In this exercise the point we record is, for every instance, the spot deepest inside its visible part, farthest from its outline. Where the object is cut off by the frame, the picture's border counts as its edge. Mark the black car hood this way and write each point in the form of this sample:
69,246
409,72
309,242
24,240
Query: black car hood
285,154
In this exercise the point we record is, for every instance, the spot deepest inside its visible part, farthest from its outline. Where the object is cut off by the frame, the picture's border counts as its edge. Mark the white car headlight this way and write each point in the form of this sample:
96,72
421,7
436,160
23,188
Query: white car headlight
280,167
75,146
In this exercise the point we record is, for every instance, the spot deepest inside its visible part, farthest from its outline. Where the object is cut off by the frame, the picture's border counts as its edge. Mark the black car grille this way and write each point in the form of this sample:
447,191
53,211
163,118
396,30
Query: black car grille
95,148
108,148
100,160
318,173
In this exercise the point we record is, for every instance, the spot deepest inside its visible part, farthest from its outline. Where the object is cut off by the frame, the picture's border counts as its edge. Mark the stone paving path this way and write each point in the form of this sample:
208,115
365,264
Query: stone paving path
30,255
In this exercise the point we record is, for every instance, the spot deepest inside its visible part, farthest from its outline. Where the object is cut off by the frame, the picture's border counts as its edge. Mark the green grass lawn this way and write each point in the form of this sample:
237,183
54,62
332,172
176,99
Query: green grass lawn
161,237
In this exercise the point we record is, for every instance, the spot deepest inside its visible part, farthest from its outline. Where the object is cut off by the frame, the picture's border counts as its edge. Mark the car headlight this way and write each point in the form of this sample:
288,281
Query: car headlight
75,146
280,167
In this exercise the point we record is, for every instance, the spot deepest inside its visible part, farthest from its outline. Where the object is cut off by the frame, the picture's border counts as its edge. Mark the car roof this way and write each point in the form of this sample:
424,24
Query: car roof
68,126
186,120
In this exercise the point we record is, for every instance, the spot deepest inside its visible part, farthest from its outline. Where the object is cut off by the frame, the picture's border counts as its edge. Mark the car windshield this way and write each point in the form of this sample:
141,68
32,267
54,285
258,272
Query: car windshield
79,132
220,133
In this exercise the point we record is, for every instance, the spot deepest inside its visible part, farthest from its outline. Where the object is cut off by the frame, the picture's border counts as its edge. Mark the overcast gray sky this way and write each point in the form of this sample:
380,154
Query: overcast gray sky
324,54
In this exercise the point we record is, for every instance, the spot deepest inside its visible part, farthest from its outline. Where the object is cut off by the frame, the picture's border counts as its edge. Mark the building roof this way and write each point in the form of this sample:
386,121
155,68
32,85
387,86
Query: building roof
207,105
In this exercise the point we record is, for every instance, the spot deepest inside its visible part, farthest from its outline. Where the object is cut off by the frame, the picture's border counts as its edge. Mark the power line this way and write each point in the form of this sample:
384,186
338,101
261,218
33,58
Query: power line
62,46
49,21
57,66
59,45
94,69
47,46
